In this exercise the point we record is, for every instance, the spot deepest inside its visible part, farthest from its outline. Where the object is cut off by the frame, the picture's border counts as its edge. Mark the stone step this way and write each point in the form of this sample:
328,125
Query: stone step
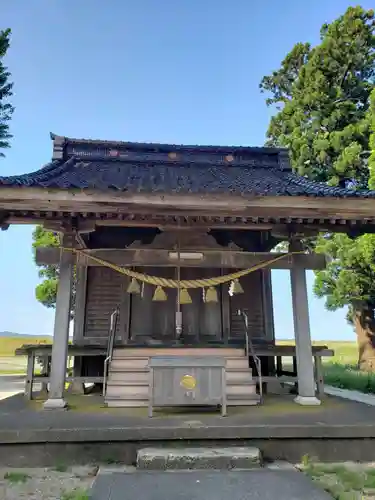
115,402
243,399
240,390
133,391
142,377
199,458
126,352
118,364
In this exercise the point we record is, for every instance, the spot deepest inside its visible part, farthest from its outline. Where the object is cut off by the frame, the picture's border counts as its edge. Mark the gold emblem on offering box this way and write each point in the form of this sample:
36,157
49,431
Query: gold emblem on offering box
188,382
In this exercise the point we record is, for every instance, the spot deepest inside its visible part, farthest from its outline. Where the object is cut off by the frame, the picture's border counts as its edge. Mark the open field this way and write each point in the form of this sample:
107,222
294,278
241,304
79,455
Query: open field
11,364
339,371
346,353
9,344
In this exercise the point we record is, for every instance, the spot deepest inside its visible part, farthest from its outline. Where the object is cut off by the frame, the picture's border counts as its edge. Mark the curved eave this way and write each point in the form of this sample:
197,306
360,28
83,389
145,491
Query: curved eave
184,179
96,201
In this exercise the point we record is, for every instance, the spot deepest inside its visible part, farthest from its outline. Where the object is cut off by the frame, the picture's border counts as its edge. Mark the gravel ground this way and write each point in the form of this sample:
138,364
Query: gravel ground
44,484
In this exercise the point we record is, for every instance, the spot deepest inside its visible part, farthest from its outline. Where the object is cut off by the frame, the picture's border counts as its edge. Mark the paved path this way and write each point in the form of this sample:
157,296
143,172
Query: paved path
11,385
360,397
207,485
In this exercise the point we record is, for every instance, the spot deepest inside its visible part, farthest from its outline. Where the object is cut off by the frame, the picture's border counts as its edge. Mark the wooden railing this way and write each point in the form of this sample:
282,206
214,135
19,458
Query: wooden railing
111,341
249,351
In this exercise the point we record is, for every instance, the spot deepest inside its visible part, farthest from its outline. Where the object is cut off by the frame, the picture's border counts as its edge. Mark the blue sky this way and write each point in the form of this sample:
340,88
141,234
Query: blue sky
179,72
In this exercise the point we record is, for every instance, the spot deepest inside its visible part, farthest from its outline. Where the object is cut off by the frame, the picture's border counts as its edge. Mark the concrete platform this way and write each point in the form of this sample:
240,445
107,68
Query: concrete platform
207,485
337,430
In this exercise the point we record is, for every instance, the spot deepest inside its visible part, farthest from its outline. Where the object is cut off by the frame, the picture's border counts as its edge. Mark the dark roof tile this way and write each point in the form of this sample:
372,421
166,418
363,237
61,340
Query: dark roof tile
147,168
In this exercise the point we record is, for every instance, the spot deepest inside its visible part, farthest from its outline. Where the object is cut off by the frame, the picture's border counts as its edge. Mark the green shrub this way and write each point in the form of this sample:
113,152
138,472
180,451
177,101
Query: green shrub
349,377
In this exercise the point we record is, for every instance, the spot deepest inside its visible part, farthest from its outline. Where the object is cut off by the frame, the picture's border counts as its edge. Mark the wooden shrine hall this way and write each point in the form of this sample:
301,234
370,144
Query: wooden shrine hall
167,251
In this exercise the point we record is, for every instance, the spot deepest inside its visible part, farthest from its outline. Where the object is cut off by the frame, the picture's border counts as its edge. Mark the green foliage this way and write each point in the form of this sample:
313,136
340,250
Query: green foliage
16,477
61,467
341,481
349,277
46,291
325,98
6,109
349,377
79,494
371,160
323,95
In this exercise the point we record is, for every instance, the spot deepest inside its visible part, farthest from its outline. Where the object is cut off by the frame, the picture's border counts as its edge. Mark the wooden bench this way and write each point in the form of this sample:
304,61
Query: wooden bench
282,375
44,351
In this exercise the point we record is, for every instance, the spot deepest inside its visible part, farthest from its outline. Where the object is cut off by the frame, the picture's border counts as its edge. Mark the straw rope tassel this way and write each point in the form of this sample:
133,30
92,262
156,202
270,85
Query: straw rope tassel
211,294
134,287
185,296
159,295
235,287
171,283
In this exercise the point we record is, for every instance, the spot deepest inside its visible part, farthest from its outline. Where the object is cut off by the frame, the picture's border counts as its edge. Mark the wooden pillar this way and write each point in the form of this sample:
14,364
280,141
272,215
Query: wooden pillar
30,375
267,301
80,303
61,328
305,366
268,319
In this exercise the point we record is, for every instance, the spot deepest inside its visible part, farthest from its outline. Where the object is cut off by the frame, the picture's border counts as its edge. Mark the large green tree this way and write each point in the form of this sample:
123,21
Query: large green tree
349,280
46,291
6,109
371,161
324,98
323,95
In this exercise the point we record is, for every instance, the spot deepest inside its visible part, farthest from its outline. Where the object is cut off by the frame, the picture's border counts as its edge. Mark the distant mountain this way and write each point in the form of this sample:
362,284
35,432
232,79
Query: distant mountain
12,334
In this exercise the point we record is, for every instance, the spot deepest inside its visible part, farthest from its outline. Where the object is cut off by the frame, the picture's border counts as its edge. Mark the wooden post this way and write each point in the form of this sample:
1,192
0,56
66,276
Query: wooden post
268,316
30,375
45,372
61,328
305,366
319,376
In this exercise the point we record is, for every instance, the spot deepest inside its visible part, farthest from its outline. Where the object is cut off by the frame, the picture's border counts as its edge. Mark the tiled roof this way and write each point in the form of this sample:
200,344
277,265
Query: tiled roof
155,168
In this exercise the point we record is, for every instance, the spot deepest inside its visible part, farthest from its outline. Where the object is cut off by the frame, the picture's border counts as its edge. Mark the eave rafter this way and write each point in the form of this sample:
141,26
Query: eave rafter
87,221
266,213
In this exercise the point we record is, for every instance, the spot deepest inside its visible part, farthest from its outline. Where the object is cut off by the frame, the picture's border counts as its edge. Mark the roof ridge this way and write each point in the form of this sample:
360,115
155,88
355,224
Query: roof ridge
168,146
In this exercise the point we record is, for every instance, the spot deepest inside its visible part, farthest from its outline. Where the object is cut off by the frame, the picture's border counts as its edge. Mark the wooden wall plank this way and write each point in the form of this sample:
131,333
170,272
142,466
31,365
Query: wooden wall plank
105,288
251,302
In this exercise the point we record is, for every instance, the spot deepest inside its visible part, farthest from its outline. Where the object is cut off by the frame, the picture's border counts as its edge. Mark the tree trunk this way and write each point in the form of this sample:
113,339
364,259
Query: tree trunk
364,323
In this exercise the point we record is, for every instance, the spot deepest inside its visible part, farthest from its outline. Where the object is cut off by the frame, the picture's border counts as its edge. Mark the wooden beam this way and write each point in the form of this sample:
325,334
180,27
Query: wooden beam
280,226
26,198
62,225
211,258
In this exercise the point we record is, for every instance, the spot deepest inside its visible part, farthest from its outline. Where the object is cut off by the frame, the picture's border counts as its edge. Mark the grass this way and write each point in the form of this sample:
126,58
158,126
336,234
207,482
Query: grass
349,377
8,345
340,481
16,371
341,370
75,495
61,467
16,477
16,365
